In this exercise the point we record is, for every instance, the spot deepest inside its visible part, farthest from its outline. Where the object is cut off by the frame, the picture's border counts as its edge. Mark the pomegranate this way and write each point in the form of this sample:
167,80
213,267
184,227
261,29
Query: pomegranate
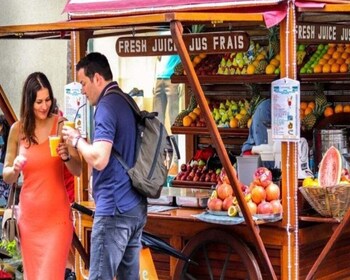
272,192
224,190
265,207
276,206
252,207
263,176
258,194
228,201
215,204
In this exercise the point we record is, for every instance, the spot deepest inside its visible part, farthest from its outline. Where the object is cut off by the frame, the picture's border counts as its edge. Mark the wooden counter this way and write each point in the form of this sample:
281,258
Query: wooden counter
179,227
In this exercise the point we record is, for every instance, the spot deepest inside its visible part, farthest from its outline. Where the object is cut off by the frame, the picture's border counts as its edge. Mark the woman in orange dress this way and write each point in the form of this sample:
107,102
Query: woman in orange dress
44,217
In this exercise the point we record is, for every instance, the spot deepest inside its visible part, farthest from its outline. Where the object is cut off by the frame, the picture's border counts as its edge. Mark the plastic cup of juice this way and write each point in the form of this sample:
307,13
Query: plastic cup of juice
54,140
69,123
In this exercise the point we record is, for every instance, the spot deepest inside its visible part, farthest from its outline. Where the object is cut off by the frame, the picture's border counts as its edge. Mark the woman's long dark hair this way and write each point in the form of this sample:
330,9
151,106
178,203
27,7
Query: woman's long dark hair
5,134
35,82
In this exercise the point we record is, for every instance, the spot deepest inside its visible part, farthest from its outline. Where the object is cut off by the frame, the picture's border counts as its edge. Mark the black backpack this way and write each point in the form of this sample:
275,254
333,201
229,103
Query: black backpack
154,151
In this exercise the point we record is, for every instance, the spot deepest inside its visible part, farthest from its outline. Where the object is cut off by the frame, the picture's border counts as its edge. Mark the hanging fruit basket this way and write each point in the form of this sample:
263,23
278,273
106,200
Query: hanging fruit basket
331,201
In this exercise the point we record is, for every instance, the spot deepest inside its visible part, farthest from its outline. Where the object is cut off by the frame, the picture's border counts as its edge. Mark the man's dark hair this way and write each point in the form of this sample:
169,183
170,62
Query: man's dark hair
95,63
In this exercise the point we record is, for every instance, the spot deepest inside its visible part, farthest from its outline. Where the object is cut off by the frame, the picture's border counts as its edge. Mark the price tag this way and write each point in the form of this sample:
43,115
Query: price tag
75,106
285,108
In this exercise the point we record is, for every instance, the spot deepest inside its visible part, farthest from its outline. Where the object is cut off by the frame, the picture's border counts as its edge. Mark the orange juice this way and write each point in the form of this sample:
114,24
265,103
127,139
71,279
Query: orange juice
54,140
69,123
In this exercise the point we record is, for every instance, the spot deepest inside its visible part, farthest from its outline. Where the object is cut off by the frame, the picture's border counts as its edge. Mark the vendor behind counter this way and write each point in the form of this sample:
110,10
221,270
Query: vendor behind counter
261,121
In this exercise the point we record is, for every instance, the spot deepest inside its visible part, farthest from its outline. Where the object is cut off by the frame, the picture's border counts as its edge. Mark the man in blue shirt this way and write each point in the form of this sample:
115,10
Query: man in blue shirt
258,130
166,94
121,211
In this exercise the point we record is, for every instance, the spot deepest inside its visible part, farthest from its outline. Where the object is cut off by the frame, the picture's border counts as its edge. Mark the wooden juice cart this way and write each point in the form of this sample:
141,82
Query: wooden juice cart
295,247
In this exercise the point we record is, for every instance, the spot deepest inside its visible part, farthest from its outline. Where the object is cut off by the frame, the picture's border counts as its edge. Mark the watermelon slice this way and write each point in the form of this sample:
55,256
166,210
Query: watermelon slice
329,170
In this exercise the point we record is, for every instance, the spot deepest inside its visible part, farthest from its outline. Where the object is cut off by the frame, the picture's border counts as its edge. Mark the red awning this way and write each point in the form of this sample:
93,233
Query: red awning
273,10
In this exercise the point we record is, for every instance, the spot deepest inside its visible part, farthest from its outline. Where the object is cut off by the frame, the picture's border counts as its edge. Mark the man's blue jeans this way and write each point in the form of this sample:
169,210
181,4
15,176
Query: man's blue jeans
116,244
166,97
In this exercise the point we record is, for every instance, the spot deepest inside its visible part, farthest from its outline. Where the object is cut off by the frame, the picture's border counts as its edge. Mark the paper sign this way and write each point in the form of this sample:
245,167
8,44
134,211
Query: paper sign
75,106
285,108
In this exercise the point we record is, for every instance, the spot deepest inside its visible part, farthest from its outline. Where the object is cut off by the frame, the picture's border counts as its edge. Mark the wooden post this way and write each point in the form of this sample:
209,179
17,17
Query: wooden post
289,156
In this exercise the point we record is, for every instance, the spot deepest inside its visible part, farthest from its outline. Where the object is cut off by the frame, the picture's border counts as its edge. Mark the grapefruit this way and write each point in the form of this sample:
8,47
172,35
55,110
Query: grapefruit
329,172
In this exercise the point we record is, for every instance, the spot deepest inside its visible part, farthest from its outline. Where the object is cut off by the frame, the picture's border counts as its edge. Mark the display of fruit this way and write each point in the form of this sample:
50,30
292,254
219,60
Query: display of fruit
325,58
228,113
264,194
197,171
223,198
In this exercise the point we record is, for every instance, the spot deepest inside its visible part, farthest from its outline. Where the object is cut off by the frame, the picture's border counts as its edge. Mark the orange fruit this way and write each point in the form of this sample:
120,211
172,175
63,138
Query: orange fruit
186,121
328,112
338,108
251,69
326,68
308,110
270,69
346,108
344,55
343,68
302,114
311,104
340,61
303,105
193,116
275,62
197,111
335,68
233,123
326,56
336,55
196,60
331,50
331,61
318,68
347,61
322,61
340,48
347,50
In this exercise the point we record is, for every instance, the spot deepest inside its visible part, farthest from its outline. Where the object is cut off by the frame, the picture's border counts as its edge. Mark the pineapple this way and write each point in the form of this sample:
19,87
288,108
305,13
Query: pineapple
260,69
179,69
253,104
192,104
274,43
309,121
320,97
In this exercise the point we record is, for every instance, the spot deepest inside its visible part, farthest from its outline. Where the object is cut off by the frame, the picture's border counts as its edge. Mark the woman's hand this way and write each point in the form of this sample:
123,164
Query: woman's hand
62,151
19,163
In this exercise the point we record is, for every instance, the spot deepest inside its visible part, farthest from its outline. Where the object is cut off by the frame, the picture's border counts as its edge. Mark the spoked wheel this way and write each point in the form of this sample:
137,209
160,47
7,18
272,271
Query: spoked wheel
217,255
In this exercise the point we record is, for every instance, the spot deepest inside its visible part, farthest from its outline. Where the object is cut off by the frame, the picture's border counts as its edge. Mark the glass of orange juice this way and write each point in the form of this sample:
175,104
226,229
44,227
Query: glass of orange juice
69,123
54,140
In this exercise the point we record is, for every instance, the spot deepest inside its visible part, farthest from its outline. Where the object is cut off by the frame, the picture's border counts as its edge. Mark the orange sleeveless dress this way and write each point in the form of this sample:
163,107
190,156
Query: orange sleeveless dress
44,218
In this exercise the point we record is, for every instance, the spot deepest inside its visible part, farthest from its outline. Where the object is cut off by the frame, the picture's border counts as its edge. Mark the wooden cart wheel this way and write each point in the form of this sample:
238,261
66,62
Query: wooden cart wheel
218,255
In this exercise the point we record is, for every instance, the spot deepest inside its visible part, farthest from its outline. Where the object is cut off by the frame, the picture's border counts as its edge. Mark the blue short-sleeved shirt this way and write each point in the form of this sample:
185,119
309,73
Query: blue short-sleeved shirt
260,123
114,123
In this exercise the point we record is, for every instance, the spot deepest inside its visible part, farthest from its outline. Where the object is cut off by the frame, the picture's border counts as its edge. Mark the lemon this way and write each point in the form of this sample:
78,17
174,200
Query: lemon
232,211
308,181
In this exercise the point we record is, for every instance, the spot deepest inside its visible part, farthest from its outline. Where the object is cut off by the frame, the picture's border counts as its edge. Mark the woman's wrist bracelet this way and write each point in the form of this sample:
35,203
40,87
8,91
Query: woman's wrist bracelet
76,142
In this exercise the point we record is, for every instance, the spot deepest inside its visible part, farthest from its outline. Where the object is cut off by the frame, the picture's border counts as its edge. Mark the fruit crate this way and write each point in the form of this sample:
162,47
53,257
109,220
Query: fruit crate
331,201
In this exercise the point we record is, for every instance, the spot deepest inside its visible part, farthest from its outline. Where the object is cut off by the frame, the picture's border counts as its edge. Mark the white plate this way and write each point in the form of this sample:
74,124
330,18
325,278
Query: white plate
218,213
